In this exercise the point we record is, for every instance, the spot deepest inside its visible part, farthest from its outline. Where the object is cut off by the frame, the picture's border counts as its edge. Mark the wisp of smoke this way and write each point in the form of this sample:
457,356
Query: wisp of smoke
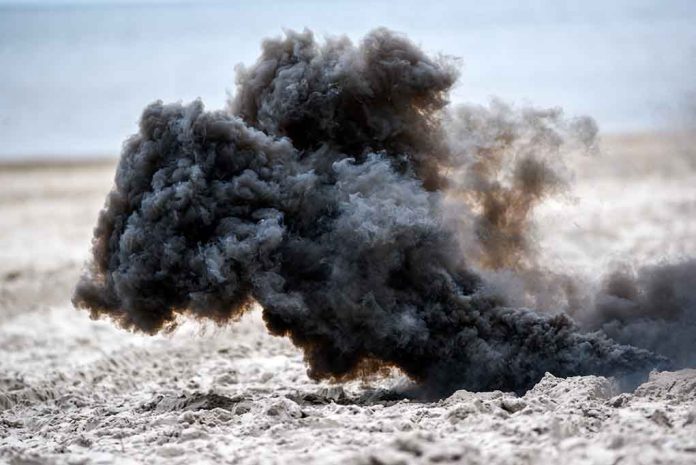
332,192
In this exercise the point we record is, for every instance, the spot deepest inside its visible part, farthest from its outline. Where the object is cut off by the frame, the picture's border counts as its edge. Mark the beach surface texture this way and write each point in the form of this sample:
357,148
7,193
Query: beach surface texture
78,391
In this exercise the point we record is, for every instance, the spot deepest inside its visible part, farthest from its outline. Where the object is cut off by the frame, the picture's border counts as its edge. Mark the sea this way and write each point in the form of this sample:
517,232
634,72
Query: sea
74,76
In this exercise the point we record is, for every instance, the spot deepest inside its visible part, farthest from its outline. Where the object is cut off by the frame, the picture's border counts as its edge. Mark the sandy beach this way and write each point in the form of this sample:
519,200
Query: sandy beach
73,390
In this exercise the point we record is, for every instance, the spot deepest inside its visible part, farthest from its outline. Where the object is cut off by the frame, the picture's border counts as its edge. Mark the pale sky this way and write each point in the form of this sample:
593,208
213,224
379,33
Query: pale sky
80,75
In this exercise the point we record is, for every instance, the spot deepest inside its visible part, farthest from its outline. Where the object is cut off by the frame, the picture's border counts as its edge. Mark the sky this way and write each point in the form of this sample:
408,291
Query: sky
74,75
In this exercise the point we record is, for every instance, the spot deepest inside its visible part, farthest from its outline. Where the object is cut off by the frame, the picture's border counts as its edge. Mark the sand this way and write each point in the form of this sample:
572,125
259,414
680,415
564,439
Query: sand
78,391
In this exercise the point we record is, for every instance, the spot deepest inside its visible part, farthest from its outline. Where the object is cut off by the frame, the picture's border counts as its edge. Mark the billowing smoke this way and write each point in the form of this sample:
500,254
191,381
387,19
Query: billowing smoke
334,192
653,307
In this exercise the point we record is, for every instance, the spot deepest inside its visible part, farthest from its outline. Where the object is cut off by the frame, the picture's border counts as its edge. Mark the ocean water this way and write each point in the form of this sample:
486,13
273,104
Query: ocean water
75,77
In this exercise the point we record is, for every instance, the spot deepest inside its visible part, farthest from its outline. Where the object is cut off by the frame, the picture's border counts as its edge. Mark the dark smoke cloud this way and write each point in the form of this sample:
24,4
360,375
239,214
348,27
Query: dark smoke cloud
322,194
653,307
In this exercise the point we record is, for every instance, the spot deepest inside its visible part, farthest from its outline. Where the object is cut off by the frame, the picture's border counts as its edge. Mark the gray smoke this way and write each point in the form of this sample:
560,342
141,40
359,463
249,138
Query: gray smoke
653,307
325,194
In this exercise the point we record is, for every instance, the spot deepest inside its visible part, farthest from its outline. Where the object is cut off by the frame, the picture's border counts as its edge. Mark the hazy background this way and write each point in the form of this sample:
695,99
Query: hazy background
74,76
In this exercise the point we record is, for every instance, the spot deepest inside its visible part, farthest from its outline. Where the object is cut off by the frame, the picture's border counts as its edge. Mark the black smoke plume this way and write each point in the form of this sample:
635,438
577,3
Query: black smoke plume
325,193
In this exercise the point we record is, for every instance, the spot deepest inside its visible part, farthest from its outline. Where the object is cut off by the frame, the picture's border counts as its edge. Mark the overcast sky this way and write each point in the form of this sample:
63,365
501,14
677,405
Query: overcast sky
79,76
